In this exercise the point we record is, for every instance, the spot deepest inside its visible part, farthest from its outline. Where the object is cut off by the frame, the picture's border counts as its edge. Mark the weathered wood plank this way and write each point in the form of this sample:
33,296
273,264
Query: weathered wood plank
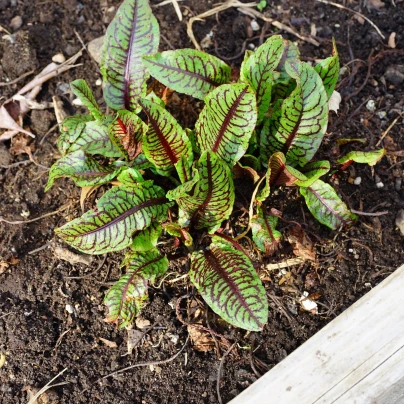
357,358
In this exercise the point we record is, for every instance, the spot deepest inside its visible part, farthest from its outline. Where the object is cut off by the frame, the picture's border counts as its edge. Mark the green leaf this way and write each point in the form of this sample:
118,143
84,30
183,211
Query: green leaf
257,70
145,240
165,141
313,171
227,121
284,84
328,69
70,131
281,173
188,71
174,229
126,132
300,124
265,235
133,33
326,206
208,198
370,157
228,282
83,92
120,212
127,297
130,177
93,139
82,169
183,167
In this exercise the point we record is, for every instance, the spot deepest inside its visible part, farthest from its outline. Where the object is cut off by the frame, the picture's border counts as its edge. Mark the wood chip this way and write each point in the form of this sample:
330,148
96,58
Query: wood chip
108,343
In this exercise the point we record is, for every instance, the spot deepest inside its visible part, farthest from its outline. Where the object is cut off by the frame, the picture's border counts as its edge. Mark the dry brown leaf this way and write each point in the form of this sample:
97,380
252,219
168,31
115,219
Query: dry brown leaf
85,193
392,40
108,343
302,245
20,144
201,339
7,122
3,266
134,338
360,19
375,4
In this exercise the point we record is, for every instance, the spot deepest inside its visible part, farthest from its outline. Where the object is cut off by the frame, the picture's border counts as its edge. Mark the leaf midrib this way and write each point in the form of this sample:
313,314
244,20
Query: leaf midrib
215,264
126,95
188,73
129,212
227,120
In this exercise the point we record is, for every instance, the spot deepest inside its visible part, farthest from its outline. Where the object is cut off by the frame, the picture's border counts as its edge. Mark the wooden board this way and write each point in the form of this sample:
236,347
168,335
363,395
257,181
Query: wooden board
358,358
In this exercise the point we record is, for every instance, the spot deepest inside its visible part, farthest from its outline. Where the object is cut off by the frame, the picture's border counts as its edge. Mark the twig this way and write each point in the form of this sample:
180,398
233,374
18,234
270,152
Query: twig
40,248
64,207
59,340
91,273
200,327
219,373
218,9
47,387
9,83
251,210
360,213
137,365
389,129
19,163
331,3
284,264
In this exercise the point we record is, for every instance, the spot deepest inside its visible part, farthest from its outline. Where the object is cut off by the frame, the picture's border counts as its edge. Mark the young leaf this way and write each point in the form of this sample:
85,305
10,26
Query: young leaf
328,69
130,177
94,139
145,240
83,92
281,173
326,206
82,169
121,211
183,167
174,229
133,33
257,70
165,142
370,157
227,121
126,298
313,171
70,131
298,128
265,235
212,196
188,71
228,282
126,132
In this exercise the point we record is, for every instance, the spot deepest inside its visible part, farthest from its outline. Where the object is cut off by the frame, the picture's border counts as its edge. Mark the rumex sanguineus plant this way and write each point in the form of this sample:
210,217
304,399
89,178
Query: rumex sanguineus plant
269,123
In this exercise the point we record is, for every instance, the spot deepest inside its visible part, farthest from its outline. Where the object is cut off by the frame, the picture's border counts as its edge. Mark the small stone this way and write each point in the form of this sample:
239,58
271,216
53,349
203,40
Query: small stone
70,309
379,185
357,180
142,322
98,82
395,74
94,48
77,102
398,183
255,26
25,213
371,105
381,114
71,50
16,23
59,58
400,221
64,88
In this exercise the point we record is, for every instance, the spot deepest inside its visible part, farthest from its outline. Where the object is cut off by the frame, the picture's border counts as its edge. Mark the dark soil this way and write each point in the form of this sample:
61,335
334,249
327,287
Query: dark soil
40,337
